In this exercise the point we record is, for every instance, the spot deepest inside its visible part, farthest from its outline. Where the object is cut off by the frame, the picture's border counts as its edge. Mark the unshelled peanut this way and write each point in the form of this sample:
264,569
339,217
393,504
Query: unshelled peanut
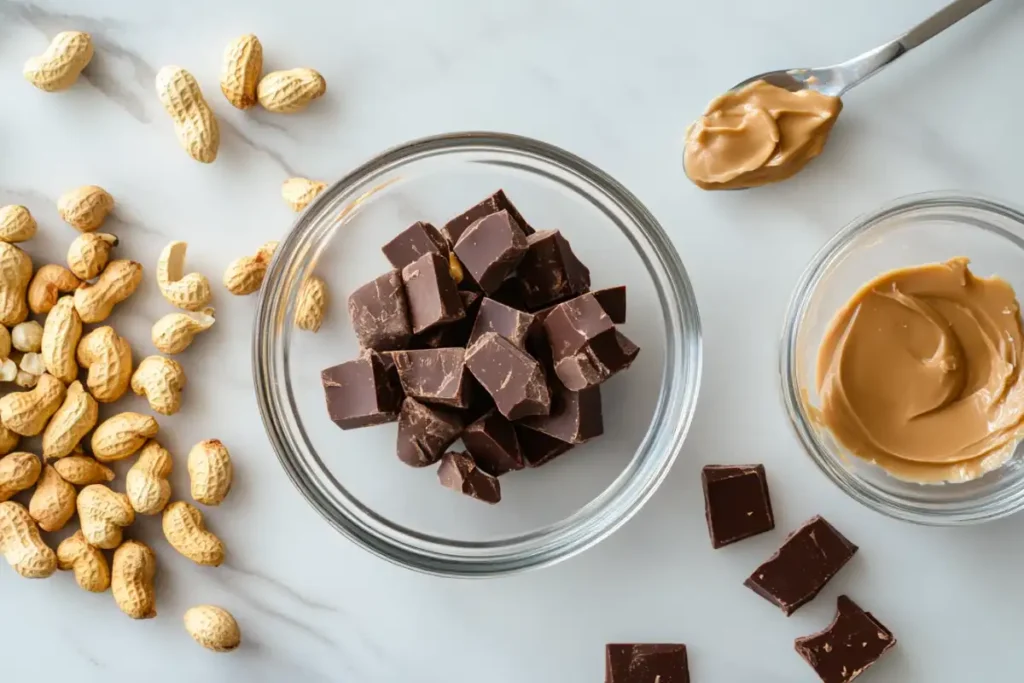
16,224
89,253
299,192
60,65
118,281
108,358
92,573
210,471
174,332
18,471
146,483
213,627
243,66
61,333
103,514
26,412
27,337
120,436
15,274
21,544
184,529
8,439
47,285
82,470
194,122
72,421
311,304
131,580
53,502
189,292
245,275
85,208
161,380
287,92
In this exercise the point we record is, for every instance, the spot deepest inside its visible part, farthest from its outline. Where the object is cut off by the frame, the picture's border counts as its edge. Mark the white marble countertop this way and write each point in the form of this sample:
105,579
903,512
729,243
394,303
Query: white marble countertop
615,83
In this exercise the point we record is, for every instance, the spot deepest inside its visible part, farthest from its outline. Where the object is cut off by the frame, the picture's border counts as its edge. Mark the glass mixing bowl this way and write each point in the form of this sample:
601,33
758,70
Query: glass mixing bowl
911,231
355,480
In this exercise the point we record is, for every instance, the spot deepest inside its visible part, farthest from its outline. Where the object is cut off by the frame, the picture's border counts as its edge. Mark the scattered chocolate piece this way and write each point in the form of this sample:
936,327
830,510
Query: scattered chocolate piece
459,473
575,416
538,448
492,442
498,318
646,663
849,646
433,297
550,271
807,560
425,433
435,375
514,380
585,346
359,392
414,242
451,334
490,249
454,228
379,313
613,301
736,502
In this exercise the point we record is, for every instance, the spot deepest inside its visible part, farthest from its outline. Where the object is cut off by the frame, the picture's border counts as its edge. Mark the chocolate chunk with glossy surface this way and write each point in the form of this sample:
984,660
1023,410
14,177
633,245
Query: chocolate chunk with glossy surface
507,322
492,442
550,271
538,448
433,297
379,313
613,301
490,249
360,393
585,346
454,228
412,243
575,417
514,379
425,432
435,375
451,334
646,663
460,473
736,502
852,642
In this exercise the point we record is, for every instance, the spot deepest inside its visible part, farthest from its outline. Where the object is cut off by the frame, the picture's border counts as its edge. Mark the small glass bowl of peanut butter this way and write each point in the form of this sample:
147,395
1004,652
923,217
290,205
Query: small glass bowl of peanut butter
902,359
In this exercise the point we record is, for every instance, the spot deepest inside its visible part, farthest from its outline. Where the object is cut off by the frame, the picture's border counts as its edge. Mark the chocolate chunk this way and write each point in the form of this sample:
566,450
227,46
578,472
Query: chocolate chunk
492,442
433,296
646,663
613,301
597,361
575,416
807,560
425,433
414,242
459,473
537,448
454,228
736,502
849,646
387,359
514,380
585,346
498,318
359,392
550,271
379,313
490,249
511,293
435,376
451,334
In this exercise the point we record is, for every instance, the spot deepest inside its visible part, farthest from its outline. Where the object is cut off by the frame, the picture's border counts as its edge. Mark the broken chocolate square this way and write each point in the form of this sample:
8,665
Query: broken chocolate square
507,322
613,301
807,560
514,380
492,442
414,242
852,642
451,334
490,249
537,448
736,502
433,297
585,346
454,228
575,416
435,375
550,270
360,393
459,473
425,433
646,663
379,313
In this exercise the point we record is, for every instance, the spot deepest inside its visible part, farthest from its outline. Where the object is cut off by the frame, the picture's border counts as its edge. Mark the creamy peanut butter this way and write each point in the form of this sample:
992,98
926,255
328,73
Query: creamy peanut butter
920,373
757,135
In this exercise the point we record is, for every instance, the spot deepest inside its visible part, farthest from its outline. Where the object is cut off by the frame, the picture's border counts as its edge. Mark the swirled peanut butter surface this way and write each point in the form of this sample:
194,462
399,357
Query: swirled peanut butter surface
920,373
757,135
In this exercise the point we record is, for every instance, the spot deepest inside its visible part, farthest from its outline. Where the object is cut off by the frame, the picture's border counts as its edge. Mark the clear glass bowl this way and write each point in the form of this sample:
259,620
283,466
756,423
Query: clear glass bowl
355,480
910,231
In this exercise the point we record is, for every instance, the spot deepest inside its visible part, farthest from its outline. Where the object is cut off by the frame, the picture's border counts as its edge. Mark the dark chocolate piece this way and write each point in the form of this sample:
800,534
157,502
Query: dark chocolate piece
575,416
511,293
807,560
379,313
412,243
451,334
848,647
514,380
646,663
613,301
550,270
433,297
425,433
597,361
459,473
387,359
585,346
537,448
490,249
359,392
435,376
736,502
454,228
496,317
492,442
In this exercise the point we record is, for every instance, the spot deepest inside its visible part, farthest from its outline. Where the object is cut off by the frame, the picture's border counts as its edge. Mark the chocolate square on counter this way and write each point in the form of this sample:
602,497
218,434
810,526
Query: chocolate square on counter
359,392
807,560
613,301
435,376
451,334
514,379
425,433
848,646
492,442
454,228
539,449
550,270
498,318
646,663
414,242
736,502
575,416
585,346
490,249
459,473
379,313
433,297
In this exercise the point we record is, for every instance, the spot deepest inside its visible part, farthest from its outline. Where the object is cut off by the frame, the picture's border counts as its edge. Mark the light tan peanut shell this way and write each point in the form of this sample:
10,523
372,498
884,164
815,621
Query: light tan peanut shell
15,274
121,435
146,482
47,285
245,275
26,412
6,340
174,332
18,471
61,333
108,358
243,65
16,224
85,208
53,502
131,580
69,425
27,337
311,304
184,529
89,253
60,65
8,440
210,471
117,282
299,192
92,573
103,514
213,627
21,544
81,470
161,380
189,292
194,122
287,92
